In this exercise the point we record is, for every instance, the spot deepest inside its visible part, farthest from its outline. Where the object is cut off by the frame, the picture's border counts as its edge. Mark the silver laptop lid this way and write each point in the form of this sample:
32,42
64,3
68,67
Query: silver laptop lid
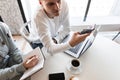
91,38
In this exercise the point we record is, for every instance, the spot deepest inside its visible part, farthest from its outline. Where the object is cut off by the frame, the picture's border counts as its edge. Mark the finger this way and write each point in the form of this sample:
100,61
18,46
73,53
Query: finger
78,32
30,59
31,56
34,59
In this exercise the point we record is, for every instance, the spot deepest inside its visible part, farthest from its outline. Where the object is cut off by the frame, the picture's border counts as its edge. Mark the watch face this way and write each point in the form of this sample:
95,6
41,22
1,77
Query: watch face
56,76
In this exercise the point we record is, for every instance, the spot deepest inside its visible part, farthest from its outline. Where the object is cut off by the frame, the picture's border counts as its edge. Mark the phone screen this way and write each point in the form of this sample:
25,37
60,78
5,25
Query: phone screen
86,31
56,76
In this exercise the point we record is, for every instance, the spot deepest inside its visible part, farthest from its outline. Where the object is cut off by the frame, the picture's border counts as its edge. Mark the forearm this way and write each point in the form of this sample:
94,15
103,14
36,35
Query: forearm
46,39
53,47
58,47
14,53
11,72
15,57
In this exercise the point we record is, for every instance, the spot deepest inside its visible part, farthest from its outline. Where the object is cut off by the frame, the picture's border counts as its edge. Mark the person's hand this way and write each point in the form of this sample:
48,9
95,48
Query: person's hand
31,62
77,38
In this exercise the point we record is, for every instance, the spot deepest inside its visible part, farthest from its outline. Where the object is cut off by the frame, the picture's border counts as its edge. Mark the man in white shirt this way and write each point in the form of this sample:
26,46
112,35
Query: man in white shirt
52,22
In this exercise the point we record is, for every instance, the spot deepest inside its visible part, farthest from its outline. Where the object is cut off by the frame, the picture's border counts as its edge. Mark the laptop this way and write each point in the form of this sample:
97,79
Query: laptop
79,49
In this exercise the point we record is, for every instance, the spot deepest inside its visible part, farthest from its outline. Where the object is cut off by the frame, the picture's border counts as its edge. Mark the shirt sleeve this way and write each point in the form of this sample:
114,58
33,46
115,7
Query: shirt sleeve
14,53
11,72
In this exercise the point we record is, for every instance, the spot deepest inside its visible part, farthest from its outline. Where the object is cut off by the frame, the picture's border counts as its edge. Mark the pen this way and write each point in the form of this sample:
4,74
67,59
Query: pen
28,61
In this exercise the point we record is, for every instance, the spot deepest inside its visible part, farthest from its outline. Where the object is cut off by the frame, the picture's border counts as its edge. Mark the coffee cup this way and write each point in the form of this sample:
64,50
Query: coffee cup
74,66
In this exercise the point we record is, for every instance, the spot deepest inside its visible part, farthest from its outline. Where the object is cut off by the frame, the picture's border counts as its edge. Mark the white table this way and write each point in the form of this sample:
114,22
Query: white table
100,62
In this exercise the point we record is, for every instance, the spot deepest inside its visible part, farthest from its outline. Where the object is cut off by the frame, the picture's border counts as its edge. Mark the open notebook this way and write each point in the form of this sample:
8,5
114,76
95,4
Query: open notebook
83,46
36,68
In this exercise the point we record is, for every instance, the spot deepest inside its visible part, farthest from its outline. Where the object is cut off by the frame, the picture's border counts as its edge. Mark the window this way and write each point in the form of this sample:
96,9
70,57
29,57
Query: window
77,7
97,7
98,10
100,7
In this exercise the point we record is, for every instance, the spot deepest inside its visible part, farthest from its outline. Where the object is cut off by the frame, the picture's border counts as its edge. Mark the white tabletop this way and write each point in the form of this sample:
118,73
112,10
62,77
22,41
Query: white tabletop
100,62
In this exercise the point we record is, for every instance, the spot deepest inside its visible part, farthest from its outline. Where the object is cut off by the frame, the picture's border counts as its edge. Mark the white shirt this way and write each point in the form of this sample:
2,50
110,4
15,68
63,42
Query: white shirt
57,28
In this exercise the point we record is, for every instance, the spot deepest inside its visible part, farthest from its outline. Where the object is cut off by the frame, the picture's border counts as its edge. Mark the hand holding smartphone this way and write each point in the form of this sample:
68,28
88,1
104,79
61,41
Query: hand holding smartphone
87,30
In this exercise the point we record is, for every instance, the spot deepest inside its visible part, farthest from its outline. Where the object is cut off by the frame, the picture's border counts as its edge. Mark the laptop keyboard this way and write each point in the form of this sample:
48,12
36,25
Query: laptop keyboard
76,48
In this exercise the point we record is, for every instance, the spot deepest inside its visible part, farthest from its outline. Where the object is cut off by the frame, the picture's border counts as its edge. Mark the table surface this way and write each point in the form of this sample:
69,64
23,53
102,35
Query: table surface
100,62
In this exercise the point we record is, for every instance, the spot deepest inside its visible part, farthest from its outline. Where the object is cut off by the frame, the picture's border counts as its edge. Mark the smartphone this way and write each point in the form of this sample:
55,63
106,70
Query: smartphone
56,76
86,31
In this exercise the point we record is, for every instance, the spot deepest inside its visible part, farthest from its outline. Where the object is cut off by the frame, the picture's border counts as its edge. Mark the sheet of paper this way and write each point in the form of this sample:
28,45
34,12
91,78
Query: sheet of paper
36,68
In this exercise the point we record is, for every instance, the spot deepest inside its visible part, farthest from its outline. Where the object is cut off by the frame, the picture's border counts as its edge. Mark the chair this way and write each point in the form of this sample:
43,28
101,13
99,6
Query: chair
30,35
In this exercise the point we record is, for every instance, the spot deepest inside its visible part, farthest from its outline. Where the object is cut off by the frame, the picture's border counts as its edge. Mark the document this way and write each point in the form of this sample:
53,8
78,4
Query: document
36,68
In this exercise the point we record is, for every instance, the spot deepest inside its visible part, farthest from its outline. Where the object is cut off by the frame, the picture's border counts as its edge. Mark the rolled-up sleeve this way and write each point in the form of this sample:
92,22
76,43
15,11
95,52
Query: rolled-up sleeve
11,72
